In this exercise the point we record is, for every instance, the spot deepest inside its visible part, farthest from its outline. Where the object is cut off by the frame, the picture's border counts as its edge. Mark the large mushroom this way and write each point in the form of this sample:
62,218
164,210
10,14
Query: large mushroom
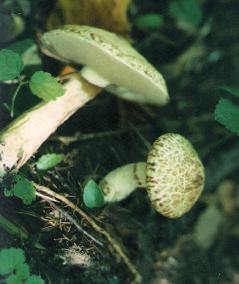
109,62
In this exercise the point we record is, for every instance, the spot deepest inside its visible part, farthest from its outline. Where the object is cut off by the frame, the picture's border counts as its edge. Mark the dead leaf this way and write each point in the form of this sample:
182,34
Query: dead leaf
107,14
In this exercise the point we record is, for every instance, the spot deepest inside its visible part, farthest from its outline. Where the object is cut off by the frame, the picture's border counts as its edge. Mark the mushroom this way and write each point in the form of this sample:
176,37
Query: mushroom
173,177
109,61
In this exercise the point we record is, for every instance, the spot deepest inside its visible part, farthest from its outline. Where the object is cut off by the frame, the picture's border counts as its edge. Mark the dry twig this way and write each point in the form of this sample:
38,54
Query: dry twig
71,219
115,245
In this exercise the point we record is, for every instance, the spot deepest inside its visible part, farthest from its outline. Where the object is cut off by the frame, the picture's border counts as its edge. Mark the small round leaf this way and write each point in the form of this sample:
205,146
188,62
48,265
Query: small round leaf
22,189
9,259
11,65
22,271
149,21
48,161
13,279
93,195
45,86
186,11
34,279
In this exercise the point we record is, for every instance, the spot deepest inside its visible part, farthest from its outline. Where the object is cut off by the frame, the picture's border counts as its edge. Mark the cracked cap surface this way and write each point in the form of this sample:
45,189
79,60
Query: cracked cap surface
174,174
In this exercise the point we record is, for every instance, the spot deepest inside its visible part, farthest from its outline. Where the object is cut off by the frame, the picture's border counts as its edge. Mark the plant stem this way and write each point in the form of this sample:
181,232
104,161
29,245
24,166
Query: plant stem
12,229
20,84
206,150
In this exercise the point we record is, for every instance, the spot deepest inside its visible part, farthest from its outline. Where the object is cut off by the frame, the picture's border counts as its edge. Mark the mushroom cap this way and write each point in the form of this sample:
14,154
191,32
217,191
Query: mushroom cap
174,175
130,75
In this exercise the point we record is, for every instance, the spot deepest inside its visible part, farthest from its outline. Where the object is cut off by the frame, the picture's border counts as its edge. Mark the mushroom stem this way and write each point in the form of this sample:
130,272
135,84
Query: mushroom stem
94,77
121,182
22,138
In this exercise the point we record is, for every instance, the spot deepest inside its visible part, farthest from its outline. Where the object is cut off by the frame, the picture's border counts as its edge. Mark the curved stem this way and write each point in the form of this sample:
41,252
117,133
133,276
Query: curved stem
22,138
204,151
20,84
121,182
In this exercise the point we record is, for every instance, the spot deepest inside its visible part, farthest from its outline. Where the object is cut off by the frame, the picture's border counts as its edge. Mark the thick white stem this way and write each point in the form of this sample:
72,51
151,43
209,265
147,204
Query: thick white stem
94,77
119,183
21,139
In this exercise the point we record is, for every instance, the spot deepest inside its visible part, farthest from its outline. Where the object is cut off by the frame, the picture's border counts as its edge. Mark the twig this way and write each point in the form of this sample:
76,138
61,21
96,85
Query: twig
115,245
67,140
46,198
71,219
141,137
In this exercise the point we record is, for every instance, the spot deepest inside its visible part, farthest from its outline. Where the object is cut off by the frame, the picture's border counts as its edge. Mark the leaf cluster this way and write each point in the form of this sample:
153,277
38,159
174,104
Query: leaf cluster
22,188
186,13
15,269
42,84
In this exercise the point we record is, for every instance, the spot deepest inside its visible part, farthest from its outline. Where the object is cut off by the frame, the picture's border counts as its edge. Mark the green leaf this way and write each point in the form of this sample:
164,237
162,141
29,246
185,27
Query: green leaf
34,279
149,21
10,258
11,228
13,279
13,260
21,46
27,48
22,271
22,189
8,193
227,114
230,90
25,6
7,24
44,86
48,161
93,195
11,65
186,11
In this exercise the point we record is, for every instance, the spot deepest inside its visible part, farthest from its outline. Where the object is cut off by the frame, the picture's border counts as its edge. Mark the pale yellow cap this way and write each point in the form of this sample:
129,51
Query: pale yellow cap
129,75
174,175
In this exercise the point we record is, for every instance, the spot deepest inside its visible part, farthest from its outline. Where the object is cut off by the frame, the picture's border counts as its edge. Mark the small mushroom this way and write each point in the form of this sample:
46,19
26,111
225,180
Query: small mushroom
173,177
109,62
